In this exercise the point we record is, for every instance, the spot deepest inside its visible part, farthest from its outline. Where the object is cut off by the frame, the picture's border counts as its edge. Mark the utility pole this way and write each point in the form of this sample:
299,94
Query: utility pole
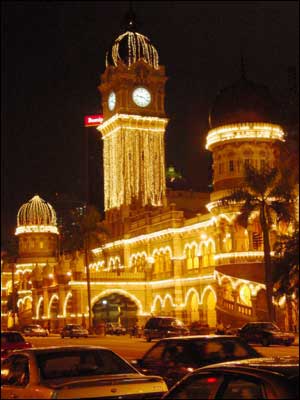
88,281
13,292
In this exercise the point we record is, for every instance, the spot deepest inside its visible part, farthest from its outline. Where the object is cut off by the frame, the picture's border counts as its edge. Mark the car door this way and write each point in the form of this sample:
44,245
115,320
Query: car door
15,378
152,362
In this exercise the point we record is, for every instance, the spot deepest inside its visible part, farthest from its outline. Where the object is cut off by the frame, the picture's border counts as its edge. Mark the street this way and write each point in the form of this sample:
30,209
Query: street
133,348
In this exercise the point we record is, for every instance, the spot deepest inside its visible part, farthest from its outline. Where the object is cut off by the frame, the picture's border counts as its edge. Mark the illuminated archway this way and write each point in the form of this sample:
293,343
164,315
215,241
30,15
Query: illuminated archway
208,300
116,305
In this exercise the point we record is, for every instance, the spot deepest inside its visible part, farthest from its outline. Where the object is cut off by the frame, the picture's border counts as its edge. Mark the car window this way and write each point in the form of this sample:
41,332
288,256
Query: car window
215,350
241,388
81,363
155,353
15,371
197,387
12,338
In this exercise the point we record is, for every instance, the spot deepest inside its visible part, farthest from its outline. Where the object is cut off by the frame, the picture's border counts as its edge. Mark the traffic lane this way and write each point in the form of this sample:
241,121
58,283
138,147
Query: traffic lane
133,348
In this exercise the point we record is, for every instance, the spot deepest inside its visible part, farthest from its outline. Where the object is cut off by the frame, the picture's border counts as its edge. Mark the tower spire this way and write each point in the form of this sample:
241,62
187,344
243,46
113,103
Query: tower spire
130,23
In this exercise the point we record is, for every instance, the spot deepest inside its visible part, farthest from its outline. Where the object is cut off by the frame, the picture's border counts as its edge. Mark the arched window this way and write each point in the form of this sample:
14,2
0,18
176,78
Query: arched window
195,257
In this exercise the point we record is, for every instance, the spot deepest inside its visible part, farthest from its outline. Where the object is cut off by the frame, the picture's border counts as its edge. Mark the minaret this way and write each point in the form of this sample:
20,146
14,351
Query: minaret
133,90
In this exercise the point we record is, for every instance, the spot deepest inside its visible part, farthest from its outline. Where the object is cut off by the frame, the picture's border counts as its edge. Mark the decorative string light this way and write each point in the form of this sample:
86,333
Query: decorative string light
242,131
139,48
36,216
139,142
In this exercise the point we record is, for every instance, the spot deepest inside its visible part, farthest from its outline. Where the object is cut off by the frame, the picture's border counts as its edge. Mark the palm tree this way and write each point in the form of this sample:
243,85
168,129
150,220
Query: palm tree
286,272
266,192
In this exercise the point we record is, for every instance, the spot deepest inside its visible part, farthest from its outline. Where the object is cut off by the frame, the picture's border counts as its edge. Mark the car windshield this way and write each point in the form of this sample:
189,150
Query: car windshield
270,326
79,363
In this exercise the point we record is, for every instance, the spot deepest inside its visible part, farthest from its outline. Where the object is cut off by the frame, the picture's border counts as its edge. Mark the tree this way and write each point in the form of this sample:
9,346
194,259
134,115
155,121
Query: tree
87,233
266,192
286,271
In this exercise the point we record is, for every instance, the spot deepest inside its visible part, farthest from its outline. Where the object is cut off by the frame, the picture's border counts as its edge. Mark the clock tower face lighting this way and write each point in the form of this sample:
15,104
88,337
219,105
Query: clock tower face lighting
141,96
112,101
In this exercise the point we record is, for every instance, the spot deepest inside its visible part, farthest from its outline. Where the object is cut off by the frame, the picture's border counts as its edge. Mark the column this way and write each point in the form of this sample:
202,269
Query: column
45,303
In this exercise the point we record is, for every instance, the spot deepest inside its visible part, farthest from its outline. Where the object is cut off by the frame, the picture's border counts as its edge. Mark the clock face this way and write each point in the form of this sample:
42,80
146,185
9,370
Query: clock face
141,97
112,100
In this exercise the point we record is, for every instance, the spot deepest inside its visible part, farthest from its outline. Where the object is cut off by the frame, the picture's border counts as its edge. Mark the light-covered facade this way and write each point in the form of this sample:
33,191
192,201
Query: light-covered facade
156,260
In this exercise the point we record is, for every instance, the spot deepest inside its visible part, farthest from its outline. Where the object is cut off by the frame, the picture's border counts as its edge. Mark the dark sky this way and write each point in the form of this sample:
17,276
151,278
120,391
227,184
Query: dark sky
53,54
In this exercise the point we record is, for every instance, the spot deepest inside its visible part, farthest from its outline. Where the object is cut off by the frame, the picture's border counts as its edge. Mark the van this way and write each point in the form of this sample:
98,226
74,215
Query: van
161,327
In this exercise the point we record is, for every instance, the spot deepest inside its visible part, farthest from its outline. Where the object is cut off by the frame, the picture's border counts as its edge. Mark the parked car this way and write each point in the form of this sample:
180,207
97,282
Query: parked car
75,372
113,328
161,327
265,333
199,328
35,330
12,341
261,378
172,358
74,331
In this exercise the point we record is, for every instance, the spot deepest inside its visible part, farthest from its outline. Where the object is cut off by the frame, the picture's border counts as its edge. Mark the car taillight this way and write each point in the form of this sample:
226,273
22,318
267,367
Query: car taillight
211,380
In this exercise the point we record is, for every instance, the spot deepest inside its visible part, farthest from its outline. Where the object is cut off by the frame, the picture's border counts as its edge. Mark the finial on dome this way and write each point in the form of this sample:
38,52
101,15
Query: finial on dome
130,23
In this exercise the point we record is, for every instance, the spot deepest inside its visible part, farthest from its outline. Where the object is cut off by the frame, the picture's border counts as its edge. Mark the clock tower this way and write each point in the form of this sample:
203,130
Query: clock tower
133,90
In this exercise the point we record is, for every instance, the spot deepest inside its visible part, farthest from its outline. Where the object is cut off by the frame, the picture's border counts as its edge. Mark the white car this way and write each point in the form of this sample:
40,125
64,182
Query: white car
35,330
75,372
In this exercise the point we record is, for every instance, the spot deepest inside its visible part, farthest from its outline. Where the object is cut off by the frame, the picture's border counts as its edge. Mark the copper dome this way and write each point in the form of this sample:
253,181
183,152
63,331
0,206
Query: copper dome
244,101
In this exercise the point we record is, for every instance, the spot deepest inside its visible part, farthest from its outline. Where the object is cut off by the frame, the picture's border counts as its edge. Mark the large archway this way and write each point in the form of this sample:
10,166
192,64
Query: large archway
115,307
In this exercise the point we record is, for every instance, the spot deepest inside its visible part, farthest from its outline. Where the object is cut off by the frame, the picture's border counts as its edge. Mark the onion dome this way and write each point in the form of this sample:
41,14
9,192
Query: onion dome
36,216
244,101
131,46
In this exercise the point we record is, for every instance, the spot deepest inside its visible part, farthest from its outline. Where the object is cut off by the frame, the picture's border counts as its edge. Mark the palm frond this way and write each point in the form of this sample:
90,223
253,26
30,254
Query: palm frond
259,181
284,211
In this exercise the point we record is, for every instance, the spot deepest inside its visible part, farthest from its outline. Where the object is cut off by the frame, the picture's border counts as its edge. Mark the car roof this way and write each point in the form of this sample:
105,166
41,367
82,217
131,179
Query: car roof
285,365
197,337
62,348
9,332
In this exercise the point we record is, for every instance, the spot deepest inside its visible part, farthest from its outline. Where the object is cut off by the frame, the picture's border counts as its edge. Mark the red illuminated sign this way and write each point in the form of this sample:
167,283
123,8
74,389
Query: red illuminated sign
93,120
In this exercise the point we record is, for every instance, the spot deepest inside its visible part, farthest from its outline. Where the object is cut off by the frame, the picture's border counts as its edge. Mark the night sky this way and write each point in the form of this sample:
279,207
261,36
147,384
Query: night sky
53,54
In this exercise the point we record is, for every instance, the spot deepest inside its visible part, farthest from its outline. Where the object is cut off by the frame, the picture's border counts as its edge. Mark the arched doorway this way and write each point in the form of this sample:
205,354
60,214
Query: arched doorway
209,308
115,307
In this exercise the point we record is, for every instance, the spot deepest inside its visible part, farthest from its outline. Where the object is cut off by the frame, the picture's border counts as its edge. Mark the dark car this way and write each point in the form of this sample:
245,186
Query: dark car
74,331
265,333
12,341
161,327
173,358
113,328
261,378
35,330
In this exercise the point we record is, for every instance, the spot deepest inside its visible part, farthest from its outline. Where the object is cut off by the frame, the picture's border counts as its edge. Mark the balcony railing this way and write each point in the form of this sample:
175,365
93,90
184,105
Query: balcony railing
236,307
117,275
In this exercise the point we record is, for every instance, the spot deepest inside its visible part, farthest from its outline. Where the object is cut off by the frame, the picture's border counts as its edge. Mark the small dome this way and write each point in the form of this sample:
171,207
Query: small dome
244,101
36,212
131,47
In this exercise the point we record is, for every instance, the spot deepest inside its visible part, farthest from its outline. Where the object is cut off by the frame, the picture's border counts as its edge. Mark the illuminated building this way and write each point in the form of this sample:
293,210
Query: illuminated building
160,258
